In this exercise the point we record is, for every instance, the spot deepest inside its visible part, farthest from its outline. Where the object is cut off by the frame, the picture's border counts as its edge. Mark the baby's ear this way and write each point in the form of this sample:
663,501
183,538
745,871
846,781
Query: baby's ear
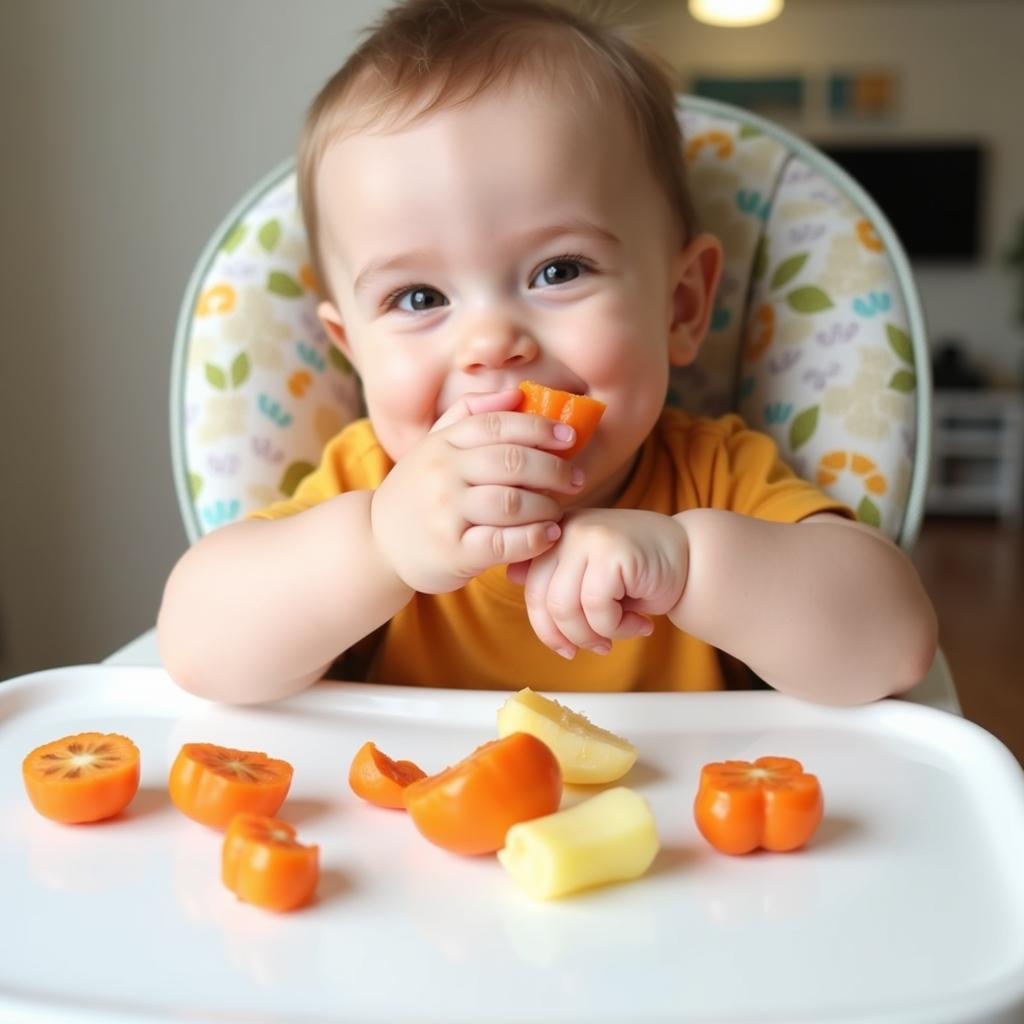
331,319
697,271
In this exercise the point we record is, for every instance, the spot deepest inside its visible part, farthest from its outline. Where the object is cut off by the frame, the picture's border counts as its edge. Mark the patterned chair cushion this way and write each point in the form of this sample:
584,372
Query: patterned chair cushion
262,389
828,367
809,338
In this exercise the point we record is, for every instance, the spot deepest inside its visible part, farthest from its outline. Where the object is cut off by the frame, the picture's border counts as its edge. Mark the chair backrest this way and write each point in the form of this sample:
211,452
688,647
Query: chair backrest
817,336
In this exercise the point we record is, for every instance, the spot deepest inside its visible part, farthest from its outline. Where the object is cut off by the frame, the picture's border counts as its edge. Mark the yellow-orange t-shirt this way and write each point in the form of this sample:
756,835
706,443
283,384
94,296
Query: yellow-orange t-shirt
479,637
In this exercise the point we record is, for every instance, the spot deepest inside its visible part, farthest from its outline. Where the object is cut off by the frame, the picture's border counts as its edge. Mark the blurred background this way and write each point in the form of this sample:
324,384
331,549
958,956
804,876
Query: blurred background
132,126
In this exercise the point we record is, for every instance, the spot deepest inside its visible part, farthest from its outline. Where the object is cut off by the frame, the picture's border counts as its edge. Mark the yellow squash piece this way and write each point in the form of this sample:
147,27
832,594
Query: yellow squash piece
608,838
586,753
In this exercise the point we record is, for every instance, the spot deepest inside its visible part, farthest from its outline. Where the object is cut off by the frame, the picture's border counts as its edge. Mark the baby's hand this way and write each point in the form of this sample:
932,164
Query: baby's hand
468,496
610,568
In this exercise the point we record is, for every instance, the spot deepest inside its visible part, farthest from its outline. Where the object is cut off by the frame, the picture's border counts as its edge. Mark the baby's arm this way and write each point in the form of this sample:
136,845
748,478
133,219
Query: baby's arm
258,610
826,609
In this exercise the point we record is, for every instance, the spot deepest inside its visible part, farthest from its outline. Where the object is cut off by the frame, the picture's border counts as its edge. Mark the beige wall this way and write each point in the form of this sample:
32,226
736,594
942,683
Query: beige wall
129,129
131,126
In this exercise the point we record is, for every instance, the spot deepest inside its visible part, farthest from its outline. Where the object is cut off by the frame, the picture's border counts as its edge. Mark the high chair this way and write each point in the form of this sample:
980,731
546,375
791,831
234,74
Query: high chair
817,339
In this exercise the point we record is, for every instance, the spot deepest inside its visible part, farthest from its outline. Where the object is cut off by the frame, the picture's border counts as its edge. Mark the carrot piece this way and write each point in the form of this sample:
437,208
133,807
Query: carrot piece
211,784
578,411
469,807
378,779
264,864
86,777
772,804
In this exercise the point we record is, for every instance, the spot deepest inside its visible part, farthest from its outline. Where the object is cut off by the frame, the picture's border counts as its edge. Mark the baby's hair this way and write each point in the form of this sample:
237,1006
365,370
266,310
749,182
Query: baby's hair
428,55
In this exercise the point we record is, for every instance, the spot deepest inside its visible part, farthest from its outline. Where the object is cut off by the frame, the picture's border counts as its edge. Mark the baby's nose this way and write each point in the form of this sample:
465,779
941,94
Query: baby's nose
494,342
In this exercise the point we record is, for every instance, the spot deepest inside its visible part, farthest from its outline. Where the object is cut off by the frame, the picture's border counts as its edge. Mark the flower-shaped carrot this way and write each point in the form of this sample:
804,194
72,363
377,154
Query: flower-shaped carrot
771,803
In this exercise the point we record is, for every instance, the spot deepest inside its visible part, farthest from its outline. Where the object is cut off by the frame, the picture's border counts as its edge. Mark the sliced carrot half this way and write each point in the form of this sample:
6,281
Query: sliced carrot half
211,784
263,863
578,411
469,807
375,777
86,777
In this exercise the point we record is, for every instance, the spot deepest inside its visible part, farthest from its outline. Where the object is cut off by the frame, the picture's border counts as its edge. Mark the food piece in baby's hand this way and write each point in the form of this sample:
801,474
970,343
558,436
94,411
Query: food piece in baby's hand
586,753
264,864
469,807
578,411
211,784
772,804
378,779
608,838
86,777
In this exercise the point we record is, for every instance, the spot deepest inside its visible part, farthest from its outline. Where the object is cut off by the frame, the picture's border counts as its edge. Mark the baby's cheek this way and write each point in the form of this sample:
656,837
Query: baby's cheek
629,374
401,401
622,338
397,438
398,426
631,377
608,329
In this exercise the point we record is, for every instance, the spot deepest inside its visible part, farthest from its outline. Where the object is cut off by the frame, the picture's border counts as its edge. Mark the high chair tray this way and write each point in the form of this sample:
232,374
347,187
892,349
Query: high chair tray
907,905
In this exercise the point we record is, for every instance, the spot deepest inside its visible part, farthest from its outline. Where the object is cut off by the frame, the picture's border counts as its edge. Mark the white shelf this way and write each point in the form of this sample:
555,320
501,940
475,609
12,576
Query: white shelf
980,444
978,453
962,495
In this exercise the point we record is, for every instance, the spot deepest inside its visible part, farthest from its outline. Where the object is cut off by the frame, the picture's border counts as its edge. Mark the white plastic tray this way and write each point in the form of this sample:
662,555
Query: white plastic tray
908,905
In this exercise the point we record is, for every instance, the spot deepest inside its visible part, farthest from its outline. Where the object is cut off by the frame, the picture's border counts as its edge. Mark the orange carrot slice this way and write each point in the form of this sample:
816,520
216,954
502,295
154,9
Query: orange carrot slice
378,779
578,411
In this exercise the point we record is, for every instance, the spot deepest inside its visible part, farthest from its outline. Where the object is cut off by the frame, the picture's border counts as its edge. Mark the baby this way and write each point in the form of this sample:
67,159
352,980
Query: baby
494,191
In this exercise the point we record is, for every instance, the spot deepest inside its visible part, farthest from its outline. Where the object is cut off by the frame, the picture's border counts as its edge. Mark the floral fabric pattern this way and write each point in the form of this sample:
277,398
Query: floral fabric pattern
264,389
827,367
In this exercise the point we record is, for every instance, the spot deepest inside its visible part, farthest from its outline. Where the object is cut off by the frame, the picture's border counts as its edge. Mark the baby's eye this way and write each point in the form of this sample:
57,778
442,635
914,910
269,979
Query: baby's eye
565,268
416,300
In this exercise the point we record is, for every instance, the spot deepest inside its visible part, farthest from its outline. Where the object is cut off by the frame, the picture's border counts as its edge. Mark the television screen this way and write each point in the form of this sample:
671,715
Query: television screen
931,192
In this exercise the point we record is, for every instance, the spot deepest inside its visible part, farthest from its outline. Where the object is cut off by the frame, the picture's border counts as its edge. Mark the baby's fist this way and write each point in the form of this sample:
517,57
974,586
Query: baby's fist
610,570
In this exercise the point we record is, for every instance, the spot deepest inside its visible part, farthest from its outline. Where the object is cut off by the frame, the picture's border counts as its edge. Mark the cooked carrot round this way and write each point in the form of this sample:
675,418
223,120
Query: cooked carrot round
578,411
211,784
86,777
378,779
264,864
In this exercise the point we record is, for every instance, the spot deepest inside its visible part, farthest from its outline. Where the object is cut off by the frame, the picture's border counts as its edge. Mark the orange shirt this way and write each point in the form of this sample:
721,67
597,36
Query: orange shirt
479,637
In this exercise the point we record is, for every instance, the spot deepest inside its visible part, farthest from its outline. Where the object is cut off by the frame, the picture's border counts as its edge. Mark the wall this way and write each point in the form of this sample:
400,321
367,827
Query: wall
961,76
130,128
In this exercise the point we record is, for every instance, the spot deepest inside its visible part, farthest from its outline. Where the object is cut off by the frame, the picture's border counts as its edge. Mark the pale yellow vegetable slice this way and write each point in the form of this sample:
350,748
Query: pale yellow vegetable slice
586,753
608,838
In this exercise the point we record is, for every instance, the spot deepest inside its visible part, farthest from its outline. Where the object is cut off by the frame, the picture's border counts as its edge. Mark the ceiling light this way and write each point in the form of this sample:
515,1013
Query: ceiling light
735,13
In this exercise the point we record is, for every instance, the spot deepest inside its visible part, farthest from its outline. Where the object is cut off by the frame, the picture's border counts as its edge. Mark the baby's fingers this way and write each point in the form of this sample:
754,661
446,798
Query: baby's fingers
492,505
517,572
634,624
478,402
497,545
610,621
564,602
479,420
601,595
537,580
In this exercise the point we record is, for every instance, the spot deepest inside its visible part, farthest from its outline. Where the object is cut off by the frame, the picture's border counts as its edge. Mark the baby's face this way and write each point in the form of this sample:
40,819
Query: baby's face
504,240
